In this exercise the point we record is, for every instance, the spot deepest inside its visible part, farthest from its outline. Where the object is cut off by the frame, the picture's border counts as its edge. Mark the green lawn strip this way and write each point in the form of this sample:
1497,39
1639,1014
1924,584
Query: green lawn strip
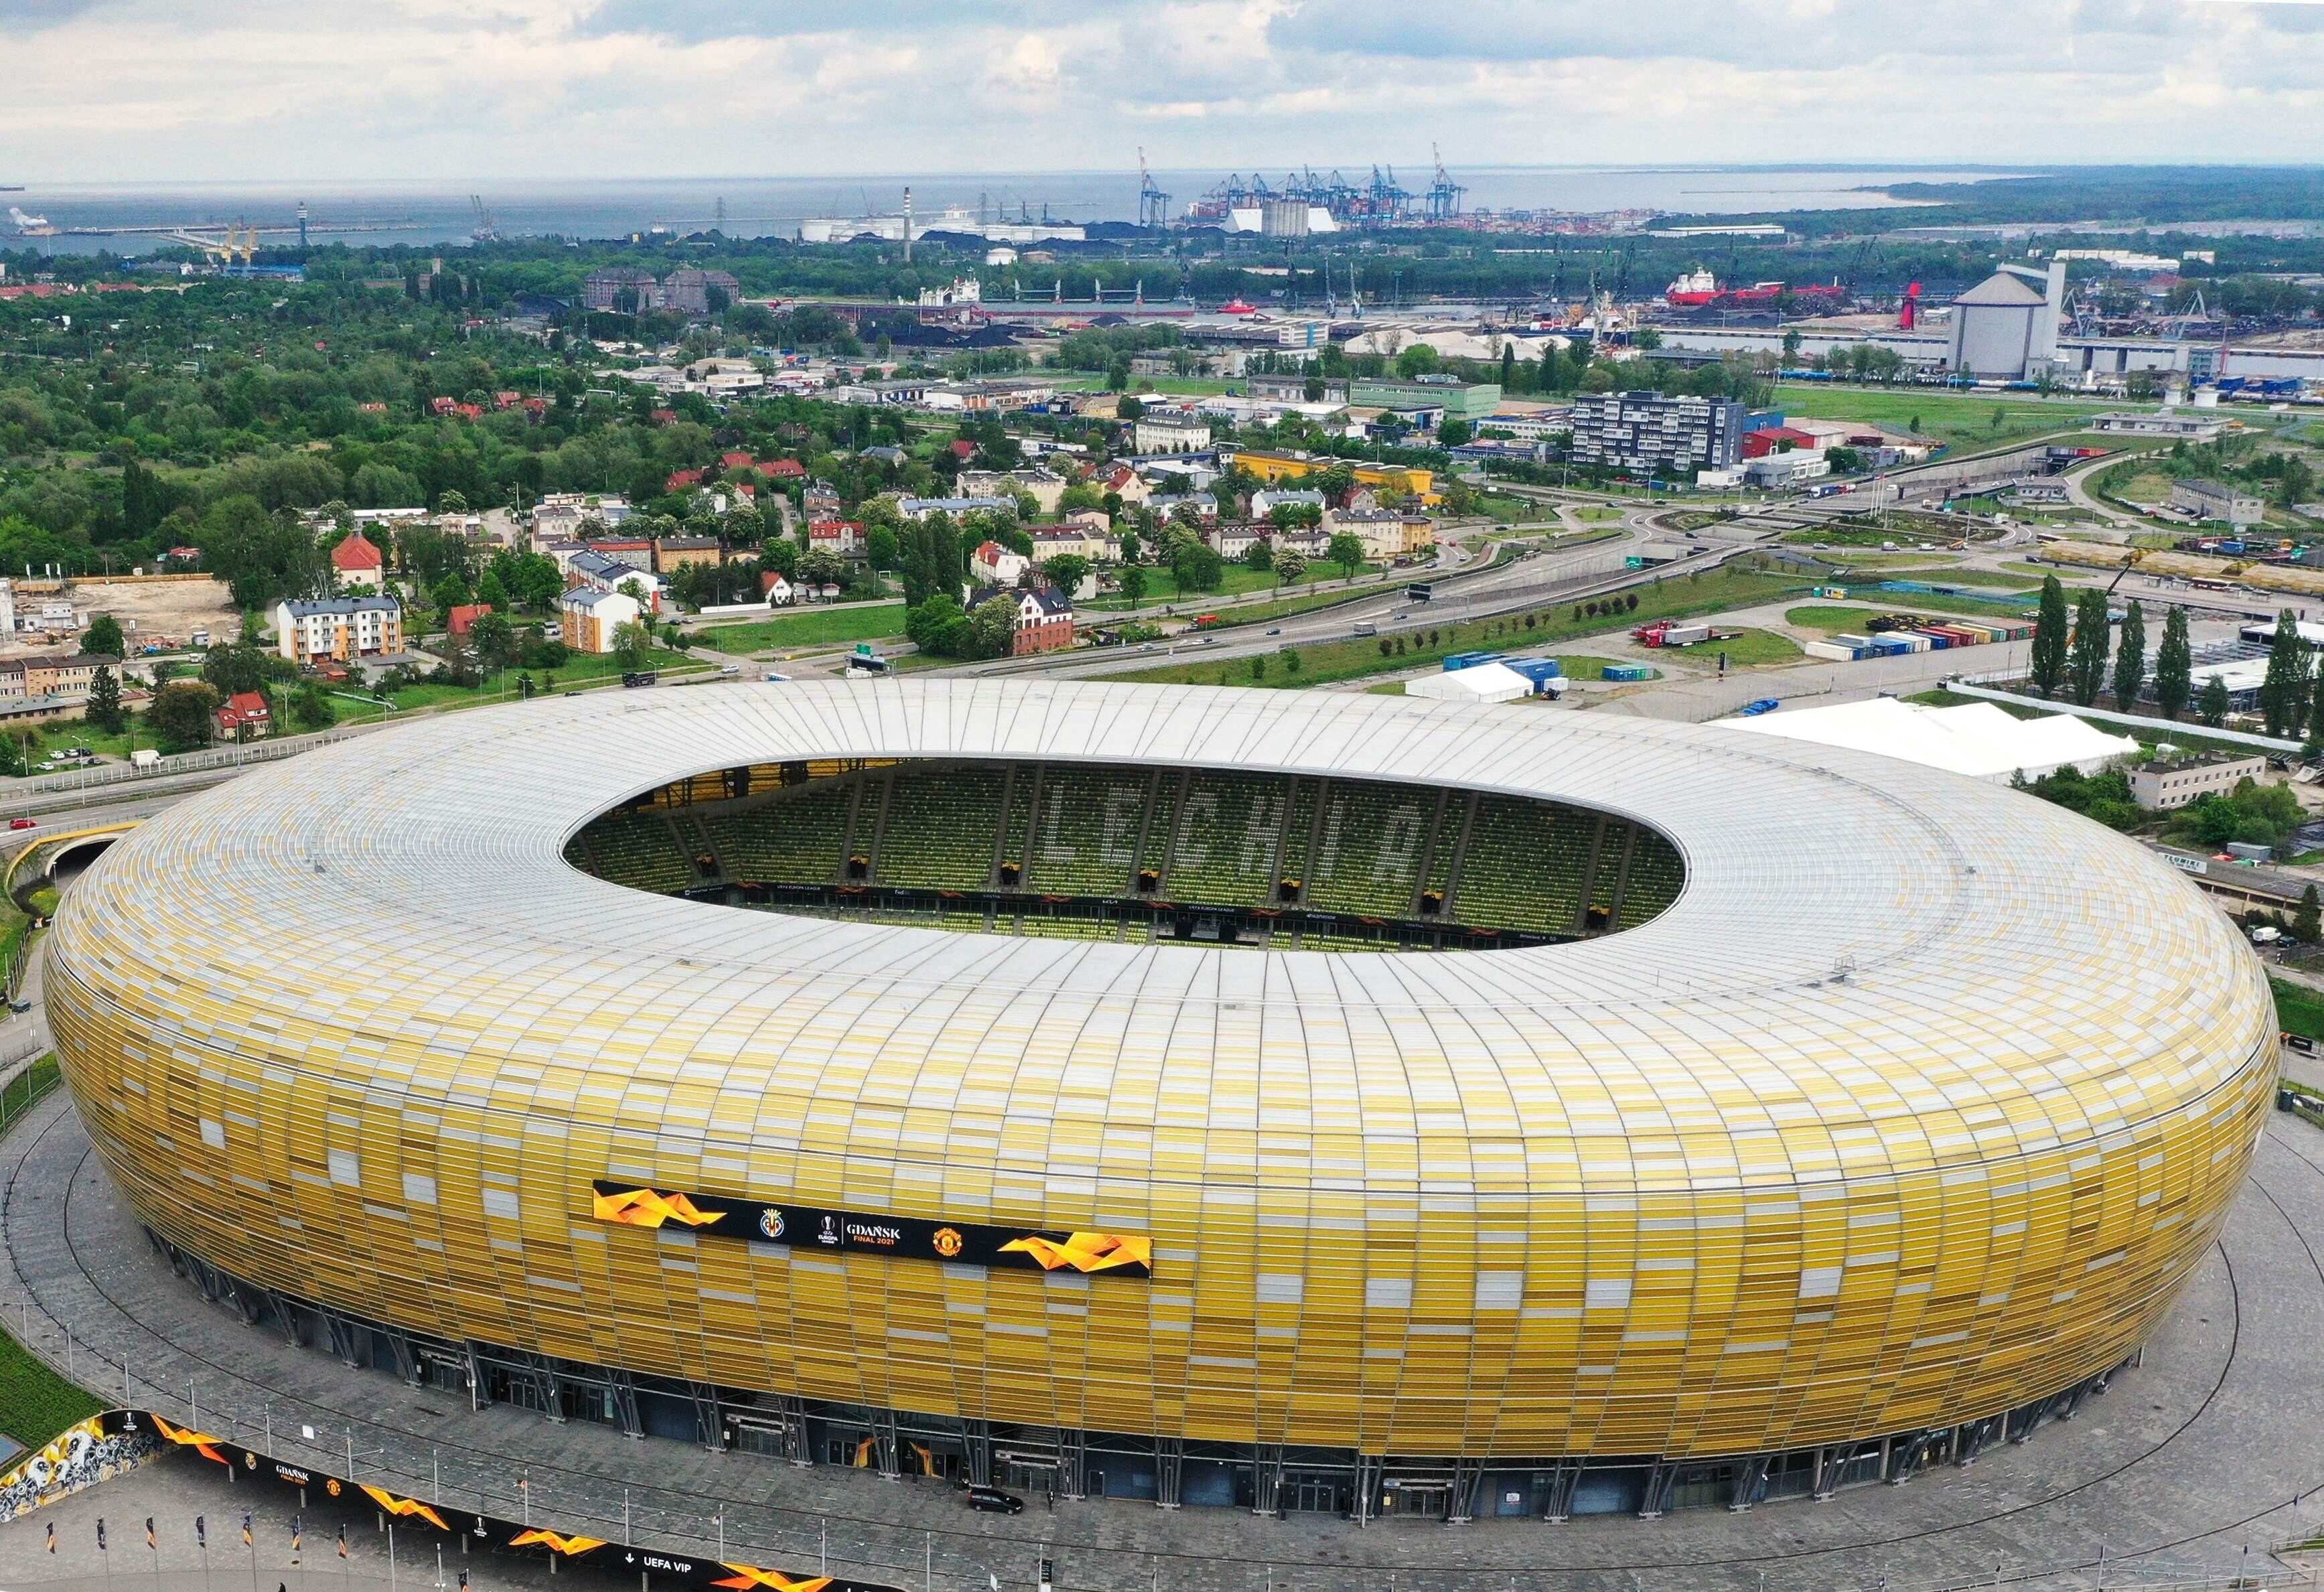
1831,620
35,1403
1944,575
815,627
1360,656
1583,666
1969,423
2297,1009
1751,650
1236,580
1598,511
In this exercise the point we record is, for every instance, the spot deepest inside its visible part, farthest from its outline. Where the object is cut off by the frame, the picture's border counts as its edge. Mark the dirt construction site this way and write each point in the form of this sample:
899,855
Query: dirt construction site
163,610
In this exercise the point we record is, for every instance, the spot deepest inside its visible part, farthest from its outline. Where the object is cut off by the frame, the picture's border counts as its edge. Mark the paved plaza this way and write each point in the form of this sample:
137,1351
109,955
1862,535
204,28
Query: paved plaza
2192,1458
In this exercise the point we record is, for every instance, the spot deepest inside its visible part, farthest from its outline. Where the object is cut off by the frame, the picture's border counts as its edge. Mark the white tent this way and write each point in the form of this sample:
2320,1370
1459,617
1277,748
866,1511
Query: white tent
1979,739
1484,682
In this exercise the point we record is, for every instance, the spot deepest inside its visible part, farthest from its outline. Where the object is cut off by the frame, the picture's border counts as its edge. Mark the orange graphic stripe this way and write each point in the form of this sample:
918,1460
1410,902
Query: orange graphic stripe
411,1506
649,1208
1087,1252
199,1441
746,1577
571,1547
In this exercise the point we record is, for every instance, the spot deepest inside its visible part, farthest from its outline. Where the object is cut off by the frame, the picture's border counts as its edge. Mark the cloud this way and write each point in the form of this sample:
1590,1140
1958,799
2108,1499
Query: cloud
531,90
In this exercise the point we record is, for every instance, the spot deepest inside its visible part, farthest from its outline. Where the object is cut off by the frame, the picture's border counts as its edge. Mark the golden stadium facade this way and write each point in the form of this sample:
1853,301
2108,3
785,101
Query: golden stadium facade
1801,1117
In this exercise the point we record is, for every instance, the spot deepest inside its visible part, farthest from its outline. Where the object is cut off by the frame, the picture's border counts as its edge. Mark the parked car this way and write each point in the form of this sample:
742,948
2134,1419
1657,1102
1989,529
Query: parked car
993,1501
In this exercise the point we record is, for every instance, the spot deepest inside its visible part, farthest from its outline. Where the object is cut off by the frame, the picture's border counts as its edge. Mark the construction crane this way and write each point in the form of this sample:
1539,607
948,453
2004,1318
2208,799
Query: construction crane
1153,204
487,229
1443,193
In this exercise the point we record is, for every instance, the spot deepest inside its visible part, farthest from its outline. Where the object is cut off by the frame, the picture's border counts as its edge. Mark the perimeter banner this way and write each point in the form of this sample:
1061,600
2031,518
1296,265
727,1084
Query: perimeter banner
902,1238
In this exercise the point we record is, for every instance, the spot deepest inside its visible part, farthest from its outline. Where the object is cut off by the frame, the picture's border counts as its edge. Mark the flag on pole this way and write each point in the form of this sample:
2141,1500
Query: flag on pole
100,1533
149,1542
245,1531
201,1532
342,1539
52,1538
295,1539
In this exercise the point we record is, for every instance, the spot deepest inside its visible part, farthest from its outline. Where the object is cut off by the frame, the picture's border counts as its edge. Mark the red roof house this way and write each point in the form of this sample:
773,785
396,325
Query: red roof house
462,617
243,711
680,480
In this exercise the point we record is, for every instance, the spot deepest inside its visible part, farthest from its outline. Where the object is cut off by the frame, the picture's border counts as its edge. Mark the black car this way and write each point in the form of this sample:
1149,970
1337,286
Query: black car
993,1501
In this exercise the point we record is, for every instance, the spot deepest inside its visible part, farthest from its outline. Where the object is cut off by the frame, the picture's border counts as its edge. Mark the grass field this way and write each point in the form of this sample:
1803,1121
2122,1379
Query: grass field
1947,575
577,668
2297,1009
35,1403
1361,655
1235,581
1597,512
814,628
1967,422
1829,620
1581,666
1751,650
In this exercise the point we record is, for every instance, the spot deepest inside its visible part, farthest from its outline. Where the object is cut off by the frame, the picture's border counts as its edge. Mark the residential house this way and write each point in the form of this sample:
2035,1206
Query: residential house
64,675
842,537
1233,539
462,618
992,565
358,564
1050,541
820,501
337,629
1381,530
591,618
922,508
244,716
597,572
1172,433
1125,483
1045,617
1268,499
777,588
674,553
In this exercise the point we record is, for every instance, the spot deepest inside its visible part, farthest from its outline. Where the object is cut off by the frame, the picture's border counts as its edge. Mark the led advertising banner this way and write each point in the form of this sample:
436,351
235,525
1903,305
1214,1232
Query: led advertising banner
856,1232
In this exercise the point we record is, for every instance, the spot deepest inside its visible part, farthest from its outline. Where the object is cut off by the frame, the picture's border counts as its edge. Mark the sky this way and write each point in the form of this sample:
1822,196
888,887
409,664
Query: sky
503,90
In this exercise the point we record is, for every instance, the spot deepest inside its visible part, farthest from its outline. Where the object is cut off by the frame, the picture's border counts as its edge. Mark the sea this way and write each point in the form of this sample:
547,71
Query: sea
130,219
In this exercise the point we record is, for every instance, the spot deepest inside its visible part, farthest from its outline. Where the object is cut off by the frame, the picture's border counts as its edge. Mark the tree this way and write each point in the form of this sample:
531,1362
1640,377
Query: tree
2214,704
103,711
820,566
1259,557
994,626
310,709
2173,664
184,713
2130,658
2283,691
2048,661
633,643
2087,660
2308,921
105,638
494,639
1346,549
1288,567
1133,584
236,667
1066,572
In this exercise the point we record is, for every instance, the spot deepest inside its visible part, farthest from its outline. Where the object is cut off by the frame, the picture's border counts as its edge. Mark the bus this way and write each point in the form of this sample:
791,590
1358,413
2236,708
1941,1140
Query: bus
1420,591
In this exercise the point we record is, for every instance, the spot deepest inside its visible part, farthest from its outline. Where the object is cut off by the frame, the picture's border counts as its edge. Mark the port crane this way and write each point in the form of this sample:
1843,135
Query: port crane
1443,194
1153,204
487,229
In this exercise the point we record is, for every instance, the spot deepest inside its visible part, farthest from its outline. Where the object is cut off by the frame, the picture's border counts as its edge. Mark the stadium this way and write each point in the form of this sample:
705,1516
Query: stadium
1302,1101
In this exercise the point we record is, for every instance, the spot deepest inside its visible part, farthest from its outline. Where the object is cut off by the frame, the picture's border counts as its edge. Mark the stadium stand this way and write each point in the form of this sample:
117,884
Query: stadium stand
1192,854
638,850
797,838
940,829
